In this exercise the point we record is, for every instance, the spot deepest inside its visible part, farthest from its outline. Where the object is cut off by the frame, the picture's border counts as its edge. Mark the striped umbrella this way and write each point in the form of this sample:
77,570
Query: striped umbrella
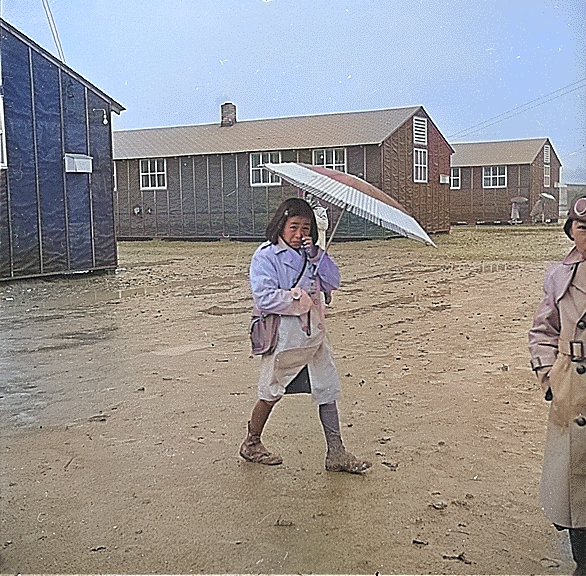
352,194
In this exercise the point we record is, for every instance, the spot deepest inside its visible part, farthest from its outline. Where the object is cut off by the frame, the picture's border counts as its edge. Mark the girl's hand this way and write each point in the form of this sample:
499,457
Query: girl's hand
309,247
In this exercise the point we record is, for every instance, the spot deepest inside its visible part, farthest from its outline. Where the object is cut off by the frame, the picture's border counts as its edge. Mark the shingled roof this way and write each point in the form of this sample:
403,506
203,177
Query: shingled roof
500,153
291,133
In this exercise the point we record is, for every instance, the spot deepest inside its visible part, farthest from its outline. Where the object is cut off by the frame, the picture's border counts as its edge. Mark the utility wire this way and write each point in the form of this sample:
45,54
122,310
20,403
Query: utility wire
524,110
521,108
54,31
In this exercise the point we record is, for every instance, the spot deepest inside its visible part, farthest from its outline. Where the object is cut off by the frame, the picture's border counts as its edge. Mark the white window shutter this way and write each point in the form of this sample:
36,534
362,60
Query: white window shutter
419,130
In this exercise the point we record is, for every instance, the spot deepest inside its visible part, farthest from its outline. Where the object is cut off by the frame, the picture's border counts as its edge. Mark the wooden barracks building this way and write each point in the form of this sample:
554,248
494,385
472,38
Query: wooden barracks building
207,181
56,210
485,176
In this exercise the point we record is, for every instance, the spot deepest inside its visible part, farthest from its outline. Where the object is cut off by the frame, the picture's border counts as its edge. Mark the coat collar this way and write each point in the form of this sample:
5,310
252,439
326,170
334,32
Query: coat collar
573,257
288,255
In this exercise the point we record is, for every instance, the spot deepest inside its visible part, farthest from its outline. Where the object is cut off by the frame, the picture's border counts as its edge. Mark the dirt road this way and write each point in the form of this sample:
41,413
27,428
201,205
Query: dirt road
125,398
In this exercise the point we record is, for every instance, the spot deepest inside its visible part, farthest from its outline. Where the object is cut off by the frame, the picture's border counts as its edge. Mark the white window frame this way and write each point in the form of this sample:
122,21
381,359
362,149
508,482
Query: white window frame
547,154
3,157
333,158
261,176
455,178
546,176
494,176
419,131
420,165
153,173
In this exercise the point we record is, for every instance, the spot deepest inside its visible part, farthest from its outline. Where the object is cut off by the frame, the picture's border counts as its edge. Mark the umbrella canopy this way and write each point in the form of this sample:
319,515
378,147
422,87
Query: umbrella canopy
353,194
519,199
548,196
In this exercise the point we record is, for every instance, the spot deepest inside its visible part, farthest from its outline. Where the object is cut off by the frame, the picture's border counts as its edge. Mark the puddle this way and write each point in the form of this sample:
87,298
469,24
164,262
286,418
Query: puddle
74,300
223,311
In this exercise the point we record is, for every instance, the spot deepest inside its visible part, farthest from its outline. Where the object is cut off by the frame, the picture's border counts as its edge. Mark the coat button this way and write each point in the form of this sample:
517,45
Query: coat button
581,421
581,324
581,369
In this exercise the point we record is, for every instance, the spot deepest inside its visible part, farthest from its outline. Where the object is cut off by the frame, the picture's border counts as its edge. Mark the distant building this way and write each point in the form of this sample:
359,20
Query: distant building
206,181
56,210
486,176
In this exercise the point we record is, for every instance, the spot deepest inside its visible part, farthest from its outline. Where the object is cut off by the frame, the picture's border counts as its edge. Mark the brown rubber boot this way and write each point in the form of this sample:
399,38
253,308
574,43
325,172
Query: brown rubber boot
338,459
253,450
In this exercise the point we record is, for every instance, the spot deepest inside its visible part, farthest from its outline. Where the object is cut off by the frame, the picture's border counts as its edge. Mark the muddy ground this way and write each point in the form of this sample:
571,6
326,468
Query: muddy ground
124,398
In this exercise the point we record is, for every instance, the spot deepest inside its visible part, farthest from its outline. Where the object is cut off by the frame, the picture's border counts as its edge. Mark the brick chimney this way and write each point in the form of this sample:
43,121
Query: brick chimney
228,114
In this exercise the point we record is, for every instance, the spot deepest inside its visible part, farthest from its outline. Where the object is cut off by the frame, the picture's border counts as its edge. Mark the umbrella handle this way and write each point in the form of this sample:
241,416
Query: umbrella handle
335,227
331,237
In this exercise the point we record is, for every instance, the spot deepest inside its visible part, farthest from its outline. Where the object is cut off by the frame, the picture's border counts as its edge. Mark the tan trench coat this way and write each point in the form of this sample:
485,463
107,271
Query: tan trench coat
557,341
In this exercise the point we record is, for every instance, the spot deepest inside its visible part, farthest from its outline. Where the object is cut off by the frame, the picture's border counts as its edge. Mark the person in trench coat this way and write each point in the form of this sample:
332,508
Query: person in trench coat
557,343
288,276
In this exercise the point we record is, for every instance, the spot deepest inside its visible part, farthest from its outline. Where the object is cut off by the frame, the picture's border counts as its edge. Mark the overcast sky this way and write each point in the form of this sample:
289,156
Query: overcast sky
173,62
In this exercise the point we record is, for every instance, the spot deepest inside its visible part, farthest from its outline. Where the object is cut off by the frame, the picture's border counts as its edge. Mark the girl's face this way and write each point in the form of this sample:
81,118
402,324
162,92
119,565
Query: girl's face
295,229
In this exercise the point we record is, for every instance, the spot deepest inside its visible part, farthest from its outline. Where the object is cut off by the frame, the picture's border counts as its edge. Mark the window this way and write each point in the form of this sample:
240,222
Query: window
419,165
419,131
494,177
455,178
546,154
260,176
546,176
334,158
153,174
3,160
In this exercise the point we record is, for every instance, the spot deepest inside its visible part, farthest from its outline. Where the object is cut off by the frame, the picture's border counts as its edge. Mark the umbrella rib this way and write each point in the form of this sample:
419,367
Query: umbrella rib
351,199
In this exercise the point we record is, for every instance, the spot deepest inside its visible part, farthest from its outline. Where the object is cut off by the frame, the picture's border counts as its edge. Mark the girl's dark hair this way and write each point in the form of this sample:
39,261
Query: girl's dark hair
288,209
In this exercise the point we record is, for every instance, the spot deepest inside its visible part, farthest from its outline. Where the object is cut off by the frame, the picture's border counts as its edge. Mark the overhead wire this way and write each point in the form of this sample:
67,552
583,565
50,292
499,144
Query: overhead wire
54,31
520,109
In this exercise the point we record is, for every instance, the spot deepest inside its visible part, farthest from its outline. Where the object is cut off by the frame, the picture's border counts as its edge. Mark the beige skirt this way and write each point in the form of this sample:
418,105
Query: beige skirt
295,349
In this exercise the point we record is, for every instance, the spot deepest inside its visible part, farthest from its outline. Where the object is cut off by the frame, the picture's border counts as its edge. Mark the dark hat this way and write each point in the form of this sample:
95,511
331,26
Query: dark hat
577,212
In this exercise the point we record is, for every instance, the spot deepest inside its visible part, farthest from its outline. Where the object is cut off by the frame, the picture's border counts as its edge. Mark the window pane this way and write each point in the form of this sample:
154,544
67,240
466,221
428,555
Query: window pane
161,180
256,176
339,155
254,160
144,181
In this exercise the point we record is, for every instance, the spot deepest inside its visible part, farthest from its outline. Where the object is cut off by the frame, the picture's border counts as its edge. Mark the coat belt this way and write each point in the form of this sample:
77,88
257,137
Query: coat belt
575,349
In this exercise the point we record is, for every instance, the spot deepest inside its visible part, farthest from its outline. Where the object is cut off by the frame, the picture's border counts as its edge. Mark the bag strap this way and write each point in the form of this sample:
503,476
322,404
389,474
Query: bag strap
302,271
